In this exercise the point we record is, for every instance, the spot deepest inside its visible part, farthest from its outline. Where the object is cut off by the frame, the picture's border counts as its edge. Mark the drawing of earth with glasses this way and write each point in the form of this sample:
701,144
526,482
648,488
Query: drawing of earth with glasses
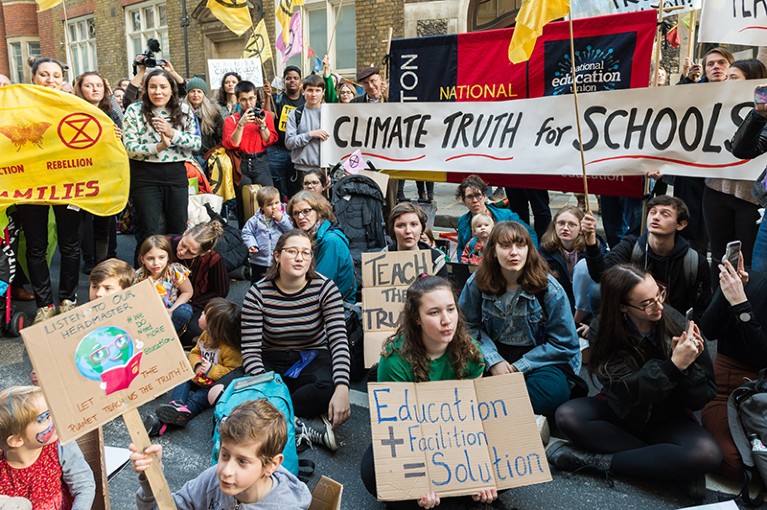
110,355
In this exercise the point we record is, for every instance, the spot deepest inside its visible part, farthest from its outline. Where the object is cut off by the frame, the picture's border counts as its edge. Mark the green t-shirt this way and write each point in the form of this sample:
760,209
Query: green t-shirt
394,368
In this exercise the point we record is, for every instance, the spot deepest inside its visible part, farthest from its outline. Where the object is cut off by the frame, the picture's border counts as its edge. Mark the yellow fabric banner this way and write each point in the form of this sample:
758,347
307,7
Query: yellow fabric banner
44,5
258,44
532,16
283,10
232,13
58,149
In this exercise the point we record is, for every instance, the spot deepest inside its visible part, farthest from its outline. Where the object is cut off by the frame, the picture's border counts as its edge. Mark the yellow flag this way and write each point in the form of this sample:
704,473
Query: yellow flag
44,5
232,13
533,15
258,44
58,149
283,9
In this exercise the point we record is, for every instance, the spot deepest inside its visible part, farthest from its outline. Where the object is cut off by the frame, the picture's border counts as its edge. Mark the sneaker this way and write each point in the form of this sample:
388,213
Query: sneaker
173,413
153,426
45,313
310,434
543,428
67,306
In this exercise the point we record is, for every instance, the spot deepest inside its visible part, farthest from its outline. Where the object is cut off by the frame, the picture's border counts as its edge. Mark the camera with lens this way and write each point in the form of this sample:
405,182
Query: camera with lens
152,47
258,112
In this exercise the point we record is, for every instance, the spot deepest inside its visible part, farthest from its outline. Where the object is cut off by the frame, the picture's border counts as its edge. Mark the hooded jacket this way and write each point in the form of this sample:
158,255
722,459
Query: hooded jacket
334,260
667,270
204,493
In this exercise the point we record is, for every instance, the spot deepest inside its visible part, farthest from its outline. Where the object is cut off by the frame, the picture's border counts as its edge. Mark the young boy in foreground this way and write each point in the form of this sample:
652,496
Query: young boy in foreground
248,475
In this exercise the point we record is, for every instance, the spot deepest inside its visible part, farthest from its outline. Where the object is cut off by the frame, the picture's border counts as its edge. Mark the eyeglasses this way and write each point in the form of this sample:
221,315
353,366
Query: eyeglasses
303,212
472,198
568,224
293,252
652,305
346,91
312,183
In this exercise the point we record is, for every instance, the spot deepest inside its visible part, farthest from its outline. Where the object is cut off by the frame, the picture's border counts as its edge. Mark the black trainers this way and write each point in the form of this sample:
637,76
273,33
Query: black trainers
312,434
153,426
173,413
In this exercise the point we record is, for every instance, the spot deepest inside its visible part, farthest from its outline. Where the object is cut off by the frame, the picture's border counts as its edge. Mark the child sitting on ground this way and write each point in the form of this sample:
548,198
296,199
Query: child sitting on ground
216,354
33,464
481,225
261,232
248,475
171,279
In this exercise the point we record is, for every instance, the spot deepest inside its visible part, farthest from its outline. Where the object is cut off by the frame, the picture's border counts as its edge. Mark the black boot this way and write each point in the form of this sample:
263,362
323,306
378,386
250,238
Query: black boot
567,457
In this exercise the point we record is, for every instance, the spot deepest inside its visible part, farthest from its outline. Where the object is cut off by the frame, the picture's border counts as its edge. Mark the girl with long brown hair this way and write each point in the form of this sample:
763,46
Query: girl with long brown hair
521,317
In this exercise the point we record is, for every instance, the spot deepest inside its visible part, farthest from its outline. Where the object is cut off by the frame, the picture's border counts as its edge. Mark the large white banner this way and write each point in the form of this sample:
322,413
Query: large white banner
734,22
248,68
589,8
683,130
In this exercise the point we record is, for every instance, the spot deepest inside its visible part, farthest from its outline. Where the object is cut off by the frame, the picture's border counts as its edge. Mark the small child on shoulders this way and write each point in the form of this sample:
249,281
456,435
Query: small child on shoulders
248,475
481,225
33,464
261,232
216,355
170,278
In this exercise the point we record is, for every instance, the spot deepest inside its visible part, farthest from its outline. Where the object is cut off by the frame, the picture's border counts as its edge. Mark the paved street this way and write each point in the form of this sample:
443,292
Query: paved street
187,451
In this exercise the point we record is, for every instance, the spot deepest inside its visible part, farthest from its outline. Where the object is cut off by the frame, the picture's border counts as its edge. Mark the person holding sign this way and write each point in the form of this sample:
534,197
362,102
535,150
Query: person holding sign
33,463
432,343
313,214
293,324
655,372
473,193
521,317
248,475
407,222
160,134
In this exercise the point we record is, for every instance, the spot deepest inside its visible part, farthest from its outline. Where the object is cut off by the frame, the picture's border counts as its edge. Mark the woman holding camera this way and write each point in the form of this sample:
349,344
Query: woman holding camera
250,130
160,134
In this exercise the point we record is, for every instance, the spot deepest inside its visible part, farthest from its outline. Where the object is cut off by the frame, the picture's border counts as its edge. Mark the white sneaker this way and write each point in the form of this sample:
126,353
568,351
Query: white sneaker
67,306
44,313
307,433
543,428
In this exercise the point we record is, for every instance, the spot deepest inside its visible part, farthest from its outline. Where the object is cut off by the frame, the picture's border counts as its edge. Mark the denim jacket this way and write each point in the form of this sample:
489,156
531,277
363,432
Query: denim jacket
486,318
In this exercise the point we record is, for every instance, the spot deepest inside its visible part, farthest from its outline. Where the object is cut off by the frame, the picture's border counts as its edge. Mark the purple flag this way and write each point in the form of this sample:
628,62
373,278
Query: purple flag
295,38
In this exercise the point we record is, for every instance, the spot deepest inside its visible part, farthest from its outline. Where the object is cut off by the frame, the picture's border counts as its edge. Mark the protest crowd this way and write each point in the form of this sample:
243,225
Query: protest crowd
635,310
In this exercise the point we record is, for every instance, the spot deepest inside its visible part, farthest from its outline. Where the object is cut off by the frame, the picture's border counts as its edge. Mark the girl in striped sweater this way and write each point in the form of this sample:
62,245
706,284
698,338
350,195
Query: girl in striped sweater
293,324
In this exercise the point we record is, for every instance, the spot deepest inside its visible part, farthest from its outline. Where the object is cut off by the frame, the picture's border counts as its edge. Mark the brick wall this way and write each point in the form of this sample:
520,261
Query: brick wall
374,18
4,64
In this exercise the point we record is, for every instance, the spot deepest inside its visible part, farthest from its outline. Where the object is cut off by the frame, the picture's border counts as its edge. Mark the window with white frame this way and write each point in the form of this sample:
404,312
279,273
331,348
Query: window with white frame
82,45
19,50
319,19
144,21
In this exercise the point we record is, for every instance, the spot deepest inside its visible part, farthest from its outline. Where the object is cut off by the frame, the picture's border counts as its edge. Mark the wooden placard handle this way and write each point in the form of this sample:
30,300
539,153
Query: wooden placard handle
154,473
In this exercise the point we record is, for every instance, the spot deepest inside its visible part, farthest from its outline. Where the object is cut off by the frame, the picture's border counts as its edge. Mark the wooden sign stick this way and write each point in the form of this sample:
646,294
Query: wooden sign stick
154,473
577,114
335,25
691,40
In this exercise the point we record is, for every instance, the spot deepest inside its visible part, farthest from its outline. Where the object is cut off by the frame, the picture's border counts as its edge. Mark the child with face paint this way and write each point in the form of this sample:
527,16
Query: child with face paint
33,464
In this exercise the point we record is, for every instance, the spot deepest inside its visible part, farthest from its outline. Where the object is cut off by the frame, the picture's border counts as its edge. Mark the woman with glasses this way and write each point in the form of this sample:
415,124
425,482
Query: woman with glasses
313,214
521,318
473,193
293,324
655,372
316,180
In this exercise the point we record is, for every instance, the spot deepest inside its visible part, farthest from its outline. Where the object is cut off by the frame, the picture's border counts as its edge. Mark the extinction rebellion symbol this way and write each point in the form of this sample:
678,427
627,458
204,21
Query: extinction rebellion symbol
79,131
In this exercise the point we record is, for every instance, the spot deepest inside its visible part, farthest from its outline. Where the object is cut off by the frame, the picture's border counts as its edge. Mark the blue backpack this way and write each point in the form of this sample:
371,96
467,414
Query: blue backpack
271,387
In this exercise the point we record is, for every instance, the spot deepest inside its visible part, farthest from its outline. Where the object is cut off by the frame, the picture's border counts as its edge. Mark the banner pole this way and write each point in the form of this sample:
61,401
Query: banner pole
656,57
693,35
67,49
577,112
333,33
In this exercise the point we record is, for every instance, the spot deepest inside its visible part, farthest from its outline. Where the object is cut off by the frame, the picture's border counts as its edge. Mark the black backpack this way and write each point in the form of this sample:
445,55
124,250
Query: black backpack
230,245
747,416
358,204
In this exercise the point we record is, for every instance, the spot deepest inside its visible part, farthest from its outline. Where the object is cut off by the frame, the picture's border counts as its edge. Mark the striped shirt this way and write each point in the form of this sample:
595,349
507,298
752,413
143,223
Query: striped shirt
312,318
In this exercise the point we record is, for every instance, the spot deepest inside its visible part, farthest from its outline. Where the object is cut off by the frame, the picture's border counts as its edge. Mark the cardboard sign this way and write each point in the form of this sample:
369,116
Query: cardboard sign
385,279
734,22
454,437
106,357
326,495
679,131
248,68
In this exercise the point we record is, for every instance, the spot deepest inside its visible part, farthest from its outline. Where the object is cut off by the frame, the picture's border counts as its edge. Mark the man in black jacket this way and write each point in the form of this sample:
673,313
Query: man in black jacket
674,264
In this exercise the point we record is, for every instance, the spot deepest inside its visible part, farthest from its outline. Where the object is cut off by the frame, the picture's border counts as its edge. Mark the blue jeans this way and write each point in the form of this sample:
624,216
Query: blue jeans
620,216
181,316
282,170
585,290
759,258
194,397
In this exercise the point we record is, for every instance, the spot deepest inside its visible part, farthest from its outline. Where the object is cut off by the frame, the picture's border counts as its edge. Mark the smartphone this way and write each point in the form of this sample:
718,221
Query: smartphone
760,94
688,316
732,253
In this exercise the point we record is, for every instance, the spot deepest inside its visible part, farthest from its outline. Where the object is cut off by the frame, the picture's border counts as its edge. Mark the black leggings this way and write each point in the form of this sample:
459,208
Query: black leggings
312,390
677,449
